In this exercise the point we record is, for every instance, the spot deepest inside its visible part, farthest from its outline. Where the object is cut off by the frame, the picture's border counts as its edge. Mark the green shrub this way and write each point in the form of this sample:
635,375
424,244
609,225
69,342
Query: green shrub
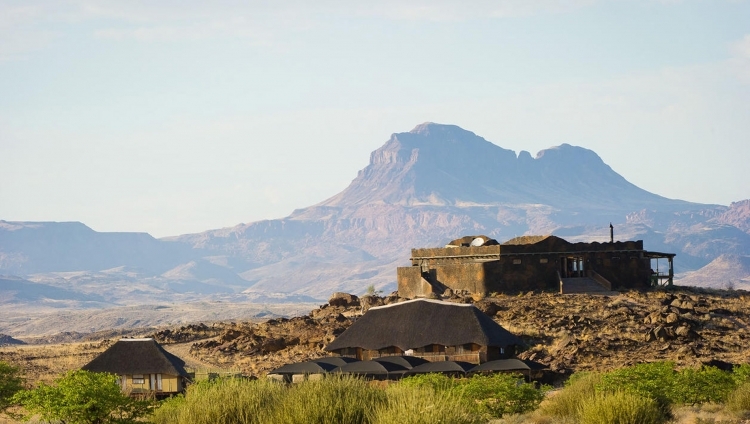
654,380
416,404
11,383
82,397
499,394
621,408
739,399
342,399
222,401
741,374
703,385
435,381
567,403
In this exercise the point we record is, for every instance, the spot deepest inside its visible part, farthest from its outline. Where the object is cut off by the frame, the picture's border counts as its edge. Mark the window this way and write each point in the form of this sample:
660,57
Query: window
138,379
516,262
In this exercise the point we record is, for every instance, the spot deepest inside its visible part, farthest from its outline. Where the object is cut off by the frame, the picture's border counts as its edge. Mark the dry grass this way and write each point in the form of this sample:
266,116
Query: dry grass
47,362
706,414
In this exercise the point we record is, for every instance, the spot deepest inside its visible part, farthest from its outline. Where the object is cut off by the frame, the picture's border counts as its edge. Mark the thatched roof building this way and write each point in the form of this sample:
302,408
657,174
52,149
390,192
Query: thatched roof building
431,329
143,366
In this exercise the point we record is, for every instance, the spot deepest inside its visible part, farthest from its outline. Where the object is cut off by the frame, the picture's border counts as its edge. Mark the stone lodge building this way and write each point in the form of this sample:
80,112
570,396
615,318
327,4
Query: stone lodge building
480,265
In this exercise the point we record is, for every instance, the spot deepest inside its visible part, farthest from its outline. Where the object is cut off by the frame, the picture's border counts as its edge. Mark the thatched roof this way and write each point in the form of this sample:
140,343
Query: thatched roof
308,367
422,322
446,367
502,365
407,362
137,356
335,360
371,368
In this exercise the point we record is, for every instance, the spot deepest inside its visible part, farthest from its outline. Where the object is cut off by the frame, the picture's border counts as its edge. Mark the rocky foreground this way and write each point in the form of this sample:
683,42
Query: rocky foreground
566,332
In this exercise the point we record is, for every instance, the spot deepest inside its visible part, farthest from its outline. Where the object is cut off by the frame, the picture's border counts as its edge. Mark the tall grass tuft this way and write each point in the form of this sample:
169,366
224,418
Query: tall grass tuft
422,405
621,408
335,399
567,403
739,399
225,401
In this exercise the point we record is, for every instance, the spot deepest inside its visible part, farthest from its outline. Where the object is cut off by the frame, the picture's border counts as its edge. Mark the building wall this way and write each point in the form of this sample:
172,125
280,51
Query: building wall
169,384
410,282
474,354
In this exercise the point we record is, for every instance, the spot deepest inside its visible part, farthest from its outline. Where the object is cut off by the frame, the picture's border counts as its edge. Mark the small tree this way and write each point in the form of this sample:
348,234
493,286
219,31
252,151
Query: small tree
11,382
371,291
82,397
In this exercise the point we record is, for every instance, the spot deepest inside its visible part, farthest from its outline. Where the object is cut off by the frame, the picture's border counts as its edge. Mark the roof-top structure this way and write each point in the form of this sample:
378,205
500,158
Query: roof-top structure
137,356
425,326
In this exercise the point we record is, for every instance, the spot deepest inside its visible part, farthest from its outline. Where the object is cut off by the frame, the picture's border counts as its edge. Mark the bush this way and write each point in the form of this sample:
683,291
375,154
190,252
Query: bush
654,380
82,397
567,403
741,374
231,400
499,394
11,382
739,399
621,408
435,381
706,384
422,405
342,399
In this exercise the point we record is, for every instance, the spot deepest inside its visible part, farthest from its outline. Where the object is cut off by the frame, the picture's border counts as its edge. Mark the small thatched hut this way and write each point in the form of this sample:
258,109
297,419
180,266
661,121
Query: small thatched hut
143,366
426,328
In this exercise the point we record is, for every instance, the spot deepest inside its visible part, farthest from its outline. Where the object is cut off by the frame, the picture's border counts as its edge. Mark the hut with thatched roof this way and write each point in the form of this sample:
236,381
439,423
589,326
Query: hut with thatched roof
143,367
426,328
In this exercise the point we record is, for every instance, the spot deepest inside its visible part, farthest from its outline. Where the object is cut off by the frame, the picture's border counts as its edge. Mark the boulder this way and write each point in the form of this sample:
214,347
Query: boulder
489,308
368,301
343,299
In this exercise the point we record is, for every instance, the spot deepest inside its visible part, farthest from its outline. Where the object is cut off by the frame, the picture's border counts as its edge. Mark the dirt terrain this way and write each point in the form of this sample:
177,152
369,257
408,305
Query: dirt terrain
566,332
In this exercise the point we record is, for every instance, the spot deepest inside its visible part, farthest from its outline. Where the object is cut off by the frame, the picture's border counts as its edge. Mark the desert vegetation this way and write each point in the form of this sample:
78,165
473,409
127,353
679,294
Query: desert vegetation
649,393
646,393
339,399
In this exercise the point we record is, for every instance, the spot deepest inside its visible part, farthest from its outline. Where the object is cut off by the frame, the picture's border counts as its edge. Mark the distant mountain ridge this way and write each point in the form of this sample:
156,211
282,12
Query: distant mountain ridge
444,165
421,188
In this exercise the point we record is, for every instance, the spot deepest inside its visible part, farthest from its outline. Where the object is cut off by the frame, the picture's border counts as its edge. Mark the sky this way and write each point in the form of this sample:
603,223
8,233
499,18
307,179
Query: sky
174,117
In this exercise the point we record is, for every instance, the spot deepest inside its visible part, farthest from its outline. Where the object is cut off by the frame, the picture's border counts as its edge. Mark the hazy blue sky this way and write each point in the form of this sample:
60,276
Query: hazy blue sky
180,116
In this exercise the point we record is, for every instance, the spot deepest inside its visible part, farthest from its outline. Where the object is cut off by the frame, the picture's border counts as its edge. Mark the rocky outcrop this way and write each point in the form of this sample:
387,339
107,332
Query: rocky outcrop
8,340
567,333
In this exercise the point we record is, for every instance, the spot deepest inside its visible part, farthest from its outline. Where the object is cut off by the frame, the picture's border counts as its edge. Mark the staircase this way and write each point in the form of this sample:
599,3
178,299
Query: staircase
585,285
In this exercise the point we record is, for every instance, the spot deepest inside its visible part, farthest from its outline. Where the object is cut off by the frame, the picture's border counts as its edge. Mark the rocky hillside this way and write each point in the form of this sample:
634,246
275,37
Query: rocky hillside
567,333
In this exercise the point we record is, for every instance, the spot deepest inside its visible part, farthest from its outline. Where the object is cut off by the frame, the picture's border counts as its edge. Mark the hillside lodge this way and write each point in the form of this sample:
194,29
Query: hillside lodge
480,265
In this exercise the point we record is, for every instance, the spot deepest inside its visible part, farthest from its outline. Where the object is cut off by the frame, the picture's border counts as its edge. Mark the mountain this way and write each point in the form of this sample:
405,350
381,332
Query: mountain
421,188
34,247
725,272
444,165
